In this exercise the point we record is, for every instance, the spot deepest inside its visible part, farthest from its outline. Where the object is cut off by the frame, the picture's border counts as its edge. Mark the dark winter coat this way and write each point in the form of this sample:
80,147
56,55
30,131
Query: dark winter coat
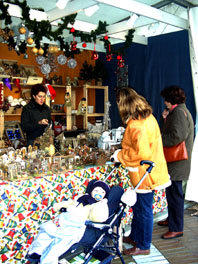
178,127
32,113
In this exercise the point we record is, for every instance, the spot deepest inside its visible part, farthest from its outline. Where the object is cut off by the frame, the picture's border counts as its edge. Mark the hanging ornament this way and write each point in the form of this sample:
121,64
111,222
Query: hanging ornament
34,50
22,30
62,59
45,68
73,45
109,55
30,41
25,56
94,55
71,63
84,45
17,49
51,49
72,30
41,51
56,49
40,59
51,60
119,57
121,63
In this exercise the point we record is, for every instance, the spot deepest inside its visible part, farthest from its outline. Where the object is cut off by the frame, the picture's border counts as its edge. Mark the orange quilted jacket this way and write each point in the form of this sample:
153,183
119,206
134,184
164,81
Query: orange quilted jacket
142,141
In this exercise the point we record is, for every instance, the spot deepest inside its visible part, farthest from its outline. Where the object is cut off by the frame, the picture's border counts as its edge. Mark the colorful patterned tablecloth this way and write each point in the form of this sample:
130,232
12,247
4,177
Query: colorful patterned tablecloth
25,204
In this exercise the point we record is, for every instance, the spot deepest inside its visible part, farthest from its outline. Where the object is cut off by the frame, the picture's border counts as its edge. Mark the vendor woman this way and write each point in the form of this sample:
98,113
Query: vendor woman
36,114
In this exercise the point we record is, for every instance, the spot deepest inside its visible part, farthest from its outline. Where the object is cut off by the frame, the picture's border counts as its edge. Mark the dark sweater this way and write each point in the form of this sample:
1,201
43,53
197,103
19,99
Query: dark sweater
32,113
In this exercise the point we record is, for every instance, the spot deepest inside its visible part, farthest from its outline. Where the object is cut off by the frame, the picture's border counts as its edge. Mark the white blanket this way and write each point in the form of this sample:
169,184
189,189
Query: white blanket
55,237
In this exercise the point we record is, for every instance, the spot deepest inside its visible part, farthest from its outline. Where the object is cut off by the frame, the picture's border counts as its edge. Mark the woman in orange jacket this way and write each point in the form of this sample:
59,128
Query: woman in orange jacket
141,141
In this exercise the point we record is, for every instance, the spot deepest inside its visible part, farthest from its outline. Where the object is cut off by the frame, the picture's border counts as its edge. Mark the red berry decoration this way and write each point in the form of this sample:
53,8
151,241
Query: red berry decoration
119,57
106,37
84,45
73,45
72,30
109,56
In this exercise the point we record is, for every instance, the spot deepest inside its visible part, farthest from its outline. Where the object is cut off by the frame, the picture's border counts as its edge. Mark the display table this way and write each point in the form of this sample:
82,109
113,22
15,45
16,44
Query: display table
25,204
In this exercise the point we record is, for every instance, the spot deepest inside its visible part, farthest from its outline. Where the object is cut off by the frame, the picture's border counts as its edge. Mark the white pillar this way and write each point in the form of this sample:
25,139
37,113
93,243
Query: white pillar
193,45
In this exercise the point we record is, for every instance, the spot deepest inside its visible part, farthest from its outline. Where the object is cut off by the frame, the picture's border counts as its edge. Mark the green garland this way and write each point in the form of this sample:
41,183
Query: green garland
44,29
5,15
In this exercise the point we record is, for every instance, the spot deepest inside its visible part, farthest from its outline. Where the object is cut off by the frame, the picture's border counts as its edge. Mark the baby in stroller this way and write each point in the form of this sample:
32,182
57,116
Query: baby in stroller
59,234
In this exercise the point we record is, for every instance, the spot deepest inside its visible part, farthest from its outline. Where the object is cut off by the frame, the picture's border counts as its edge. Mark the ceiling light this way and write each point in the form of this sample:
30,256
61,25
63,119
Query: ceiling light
89,11
153,27
61,4
131,21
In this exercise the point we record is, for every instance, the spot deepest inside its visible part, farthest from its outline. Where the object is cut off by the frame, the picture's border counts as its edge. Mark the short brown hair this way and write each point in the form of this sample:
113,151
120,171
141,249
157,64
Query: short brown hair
173,94
132,105
37,88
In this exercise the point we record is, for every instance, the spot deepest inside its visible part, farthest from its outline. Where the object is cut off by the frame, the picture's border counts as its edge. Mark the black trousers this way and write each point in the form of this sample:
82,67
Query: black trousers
175,199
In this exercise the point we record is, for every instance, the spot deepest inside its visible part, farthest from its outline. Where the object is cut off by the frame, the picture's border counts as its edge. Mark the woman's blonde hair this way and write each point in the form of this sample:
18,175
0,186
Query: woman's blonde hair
132,105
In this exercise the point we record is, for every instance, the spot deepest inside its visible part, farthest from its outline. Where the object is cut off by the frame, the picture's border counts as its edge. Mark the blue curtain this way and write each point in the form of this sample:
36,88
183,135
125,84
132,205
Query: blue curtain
168,63
164,61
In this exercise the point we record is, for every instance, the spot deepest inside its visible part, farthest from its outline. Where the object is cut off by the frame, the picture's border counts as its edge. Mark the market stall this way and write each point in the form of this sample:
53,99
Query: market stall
25,204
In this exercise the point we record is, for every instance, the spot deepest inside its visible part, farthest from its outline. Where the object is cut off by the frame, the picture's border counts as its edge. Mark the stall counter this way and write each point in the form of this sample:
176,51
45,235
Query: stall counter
25,204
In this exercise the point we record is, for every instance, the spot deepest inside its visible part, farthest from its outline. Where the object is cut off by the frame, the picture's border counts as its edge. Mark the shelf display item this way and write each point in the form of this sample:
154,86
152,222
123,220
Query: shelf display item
6,81
50,91
82,107
107,119
67,99
111,138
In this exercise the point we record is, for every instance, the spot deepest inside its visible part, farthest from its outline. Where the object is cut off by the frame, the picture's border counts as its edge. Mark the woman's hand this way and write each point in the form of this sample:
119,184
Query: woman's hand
43,122
165,113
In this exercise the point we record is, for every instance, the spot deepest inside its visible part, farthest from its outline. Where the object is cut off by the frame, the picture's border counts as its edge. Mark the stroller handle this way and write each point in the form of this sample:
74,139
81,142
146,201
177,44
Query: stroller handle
148,170
148,162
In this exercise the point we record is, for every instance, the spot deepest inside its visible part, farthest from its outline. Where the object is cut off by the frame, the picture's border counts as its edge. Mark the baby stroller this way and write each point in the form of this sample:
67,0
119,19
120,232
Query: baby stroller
101,240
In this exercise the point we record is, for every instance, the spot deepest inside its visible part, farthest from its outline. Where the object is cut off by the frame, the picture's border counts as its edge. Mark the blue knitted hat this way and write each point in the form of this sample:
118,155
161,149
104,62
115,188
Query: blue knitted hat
101,184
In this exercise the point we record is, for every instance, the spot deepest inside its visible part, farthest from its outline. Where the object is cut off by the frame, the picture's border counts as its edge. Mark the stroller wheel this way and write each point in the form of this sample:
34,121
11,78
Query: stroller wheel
33,258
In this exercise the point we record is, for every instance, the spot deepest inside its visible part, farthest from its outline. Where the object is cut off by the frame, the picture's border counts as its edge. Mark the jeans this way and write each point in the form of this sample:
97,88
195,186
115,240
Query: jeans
175,199
142,223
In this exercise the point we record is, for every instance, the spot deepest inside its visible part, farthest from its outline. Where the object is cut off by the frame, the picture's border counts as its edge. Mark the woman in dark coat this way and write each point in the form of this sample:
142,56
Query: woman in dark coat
178,126
36,115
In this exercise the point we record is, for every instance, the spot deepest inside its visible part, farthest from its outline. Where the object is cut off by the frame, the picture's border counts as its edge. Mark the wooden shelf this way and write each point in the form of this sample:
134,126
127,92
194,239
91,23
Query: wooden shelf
53,114
74,94
11,114
95,114
71,116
